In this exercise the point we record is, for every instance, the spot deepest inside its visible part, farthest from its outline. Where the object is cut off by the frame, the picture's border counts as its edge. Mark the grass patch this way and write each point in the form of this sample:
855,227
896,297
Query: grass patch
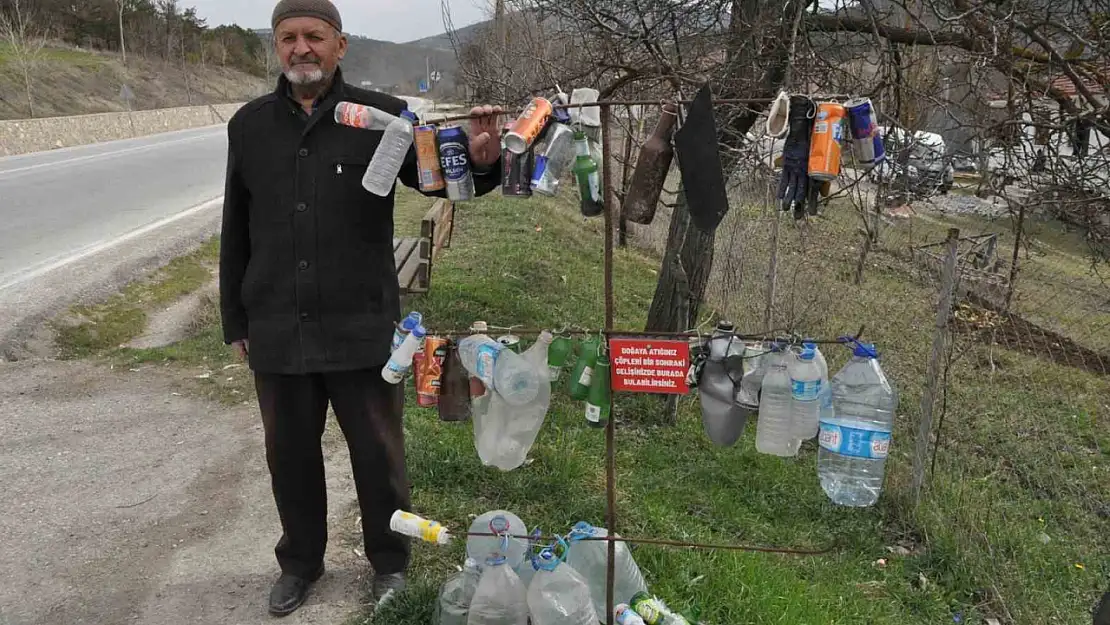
60,55
97,329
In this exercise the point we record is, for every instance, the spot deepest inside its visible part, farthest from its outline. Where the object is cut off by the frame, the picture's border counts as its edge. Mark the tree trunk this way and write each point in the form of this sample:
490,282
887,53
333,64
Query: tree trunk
670,310
27,85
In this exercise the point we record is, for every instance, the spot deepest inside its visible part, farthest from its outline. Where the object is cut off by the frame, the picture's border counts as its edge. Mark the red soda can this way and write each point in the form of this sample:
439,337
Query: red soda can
430,371
529,125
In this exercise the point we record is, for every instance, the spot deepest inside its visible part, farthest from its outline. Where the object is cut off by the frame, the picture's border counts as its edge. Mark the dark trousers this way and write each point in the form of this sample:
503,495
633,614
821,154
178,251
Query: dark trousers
294,412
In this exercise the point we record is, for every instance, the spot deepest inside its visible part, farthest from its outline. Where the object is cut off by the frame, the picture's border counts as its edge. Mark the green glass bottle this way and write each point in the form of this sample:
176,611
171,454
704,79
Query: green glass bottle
600,400
586,172
557,356
584,369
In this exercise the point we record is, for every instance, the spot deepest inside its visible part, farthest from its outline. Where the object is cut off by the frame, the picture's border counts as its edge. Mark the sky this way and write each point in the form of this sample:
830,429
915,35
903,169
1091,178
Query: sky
388,20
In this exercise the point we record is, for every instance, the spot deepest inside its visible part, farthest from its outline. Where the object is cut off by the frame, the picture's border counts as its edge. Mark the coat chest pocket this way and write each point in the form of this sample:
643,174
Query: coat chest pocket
348,172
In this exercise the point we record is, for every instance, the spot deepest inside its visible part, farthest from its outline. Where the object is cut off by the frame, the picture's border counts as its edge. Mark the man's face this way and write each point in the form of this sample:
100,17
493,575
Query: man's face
309,50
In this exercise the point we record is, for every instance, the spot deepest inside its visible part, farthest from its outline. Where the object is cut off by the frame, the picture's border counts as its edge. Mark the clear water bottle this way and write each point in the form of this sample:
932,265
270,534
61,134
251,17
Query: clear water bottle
500,598
501,522
558,595
805,394
381,175
774,432
591,557
825,398
855,441
456,594
500,369
755,367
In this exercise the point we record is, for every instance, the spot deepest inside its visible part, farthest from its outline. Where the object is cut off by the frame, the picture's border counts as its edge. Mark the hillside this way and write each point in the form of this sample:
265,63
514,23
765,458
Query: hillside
69,81
442,41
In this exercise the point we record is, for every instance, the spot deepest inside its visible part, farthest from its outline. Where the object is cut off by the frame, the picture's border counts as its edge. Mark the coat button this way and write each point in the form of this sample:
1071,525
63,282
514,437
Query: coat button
302,207
303,265
304,316
303,152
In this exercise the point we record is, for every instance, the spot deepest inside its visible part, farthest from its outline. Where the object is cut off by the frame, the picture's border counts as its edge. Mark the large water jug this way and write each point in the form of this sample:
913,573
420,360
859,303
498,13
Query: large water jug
805,394
500,369
519,425
509,542
774,433
558,595
722,417
855,441
456,594
385,165
500,598
591,557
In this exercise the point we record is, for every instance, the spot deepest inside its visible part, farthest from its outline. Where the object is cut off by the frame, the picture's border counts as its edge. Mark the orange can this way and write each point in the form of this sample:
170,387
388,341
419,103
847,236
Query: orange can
825,144
427,159
430,376
528,126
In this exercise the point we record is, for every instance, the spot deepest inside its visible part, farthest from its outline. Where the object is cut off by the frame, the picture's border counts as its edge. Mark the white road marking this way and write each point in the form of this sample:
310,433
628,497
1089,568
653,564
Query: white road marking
90,157
58,262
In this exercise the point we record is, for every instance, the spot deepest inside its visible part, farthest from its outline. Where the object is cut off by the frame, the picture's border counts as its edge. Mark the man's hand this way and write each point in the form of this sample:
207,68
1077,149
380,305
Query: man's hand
242,348
485,149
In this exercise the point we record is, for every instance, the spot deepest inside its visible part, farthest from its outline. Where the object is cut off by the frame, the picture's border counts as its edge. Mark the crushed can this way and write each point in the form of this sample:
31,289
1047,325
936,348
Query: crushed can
427,159
430,372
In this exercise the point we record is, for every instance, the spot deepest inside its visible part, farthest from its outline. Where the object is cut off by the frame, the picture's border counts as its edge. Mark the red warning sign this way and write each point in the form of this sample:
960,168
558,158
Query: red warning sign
650,366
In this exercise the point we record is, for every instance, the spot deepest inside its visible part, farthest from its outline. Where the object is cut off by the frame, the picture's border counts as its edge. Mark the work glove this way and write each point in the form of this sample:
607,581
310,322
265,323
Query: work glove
794,186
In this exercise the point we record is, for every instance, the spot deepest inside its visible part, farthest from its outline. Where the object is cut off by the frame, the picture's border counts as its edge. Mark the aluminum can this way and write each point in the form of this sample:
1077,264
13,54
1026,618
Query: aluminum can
431,371
554,155
825,146
454,157
529,125
516,170
427,158
865,128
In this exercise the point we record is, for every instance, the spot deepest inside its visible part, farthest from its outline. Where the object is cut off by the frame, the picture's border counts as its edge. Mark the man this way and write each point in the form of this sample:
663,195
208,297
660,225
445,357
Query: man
309,294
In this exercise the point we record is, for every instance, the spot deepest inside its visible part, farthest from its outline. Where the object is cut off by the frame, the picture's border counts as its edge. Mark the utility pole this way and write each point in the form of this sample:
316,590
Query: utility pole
502,47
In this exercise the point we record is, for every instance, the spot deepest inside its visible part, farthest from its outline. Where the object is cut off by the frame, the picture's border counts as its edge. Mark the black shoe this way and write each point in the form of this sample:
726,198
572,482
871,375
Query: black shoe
289,592
387,587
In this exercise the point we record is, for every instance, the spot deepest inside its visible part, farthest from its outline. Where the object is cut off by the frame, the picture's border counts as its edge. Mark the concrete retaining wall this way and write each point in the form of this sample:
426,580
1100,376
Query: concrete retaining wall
21,136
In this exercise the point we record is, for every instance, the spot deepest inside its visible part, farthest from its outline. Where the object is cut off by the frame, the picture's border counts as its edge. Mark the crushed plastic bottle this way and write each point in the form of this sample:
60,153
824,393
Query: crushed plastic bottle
381,175
558,595
456,595
855,441
500,369
774,433
513,429
591,557
500,599
722,417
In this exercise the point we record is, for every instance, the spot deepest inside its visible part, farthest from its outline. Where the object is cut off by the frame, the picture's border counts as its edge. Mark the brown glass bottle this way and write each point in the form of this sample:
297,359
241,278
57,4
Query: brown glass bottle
651,170
454,390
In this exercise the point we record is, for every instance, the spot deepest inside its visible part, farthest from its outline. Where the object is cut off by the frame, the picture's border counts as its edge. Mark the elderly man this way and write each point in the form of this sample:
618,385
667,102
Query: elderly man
309,294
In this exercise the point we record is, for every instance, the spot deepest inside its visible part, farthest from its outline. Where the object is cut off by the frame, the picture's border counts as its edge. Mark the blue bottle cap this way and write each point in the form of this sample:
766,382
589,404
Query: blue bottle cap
808,353
409,115
414,319
546,560
419,332
865,350
582,530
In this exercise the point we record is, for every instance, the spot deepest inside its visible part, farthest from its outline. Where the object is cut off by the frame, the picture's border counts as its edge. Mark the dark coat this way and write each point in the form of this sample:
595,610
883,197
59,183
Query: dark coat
306,257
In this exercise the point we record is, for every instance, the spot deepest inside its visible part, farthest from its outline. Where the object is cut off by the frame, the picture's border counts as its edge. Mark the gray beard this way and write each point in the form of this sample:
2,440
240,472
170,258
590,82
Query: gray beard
312,78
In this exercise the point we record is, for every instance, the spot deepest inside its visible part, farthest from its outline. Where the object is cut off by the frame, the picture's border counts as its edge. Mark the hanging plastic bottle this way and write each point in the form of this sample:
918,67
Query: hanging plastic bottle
855,442
500,598
557,356
774,432
723,419
401,361
590,558
402,330
409,524
599,401
499,369
589,180
825,398
558,595
456,594
805,394
381,175
582,374
754,370
508,528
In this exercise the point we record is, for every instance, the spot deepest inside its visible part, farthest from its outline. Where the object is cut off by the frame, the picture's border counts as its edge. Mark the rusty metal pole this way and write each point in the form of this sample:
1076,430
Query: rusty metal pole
610,428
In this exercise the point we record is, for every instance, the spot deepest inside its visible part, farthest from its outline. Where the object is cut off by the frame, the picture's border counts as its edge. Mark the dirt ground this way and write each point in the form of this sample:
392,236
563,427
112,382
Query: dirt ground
127,501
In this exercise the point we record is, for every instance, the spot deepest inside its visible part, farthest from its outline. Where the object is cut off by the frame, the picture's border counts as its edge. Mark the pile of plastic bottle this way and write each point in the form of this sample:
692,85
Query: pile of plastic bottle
509,580
788,386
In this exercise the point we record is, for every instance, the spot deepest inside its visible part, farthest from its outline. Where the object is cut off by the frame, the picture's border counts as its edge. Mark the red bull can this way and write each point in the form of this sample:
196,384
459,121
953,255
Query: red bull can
867,144
454,157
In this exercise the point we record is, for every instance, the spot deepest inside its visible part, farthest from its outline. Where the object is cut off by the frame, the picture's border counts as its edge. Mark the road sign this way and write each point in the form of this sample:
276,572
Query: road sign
423,86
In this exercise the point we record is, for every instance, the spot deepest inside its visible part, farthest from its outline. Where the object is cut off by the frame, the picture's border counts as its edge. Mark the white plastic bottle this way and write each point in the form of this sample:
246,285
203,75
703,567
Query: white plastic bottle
500,598
401,361
381,175
805,394
558,595
855,442
456,594
774,432
500,369
402,330
502,522
591,557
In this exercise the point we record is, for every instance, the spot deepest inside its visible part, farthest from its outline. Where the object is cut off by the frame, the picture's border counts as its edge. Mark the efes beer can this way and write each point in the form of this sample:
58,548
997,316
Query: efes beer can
427,158
454,157
529,125
516,171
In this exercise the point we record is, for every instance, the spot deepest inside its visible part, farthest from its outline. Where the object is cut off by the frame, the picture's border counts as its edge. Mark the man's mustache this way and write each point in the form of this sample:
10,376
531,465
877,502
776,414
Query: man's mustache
297,60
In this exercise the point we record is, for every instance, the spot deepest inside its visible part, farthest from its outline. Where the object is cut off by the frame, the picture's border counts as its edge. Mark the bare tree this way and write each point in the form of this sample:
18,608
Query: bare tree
19,29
